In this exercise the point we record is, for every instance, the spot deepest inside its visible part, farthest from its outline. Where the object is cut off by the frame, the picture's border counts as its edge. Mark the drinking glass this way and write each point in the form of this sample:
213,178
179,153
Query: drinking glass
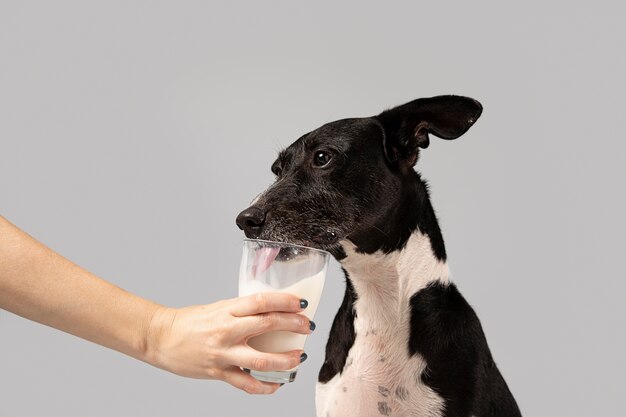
281,267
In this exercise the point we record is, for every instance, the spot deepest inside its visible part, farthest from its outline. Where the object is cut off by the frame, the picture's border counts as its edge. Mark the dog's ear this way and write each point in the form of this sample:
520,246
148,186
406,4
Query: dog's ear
407,126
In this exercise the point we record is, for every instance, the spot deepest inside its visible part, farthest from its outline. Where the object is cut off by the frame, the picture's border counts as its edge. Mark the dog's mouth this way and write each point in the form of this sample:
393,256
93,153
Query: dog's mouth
324,240
317,239
286,254
328,237
269,252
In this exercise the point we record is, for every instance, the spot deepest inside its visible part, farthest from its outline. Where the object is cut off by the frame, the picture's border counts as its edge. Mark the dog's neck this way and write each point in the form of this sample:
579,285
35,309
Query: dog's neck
393,257
384,282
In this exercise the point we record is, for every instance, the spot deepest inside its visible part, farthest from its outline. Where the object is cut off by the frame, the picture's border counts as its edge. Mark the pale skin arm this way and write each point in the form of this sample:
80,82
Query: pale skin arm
207,341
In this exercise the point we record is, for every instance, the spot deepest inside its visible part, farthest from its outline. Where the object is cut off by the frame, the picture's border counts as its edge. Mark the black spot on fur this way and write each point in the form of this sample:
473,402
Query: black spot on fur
447,333
341,338
402,393
383,408
383,391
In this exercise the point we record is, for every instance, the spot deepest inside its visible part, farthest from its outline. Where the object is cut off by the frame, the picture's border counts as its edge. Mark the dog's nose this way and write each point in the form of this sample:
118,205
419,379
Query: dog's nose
251,221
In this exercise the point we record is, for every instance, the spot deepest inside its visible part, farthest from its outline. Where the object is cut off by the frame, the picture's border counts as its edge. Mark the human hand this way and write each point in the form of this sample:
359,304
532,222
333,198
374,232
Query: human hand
210,341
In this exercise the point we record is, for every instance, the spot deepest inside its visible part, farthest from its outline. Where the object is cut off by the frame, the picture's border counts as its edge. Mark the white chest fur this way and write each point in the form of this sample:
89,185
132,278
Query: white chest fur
380,378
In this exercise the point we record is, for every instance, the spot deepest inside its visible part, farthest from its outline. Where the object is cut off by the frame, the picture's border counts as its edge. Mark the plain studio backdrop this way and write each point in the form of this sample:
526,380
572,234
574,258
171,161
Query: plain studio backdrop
132,133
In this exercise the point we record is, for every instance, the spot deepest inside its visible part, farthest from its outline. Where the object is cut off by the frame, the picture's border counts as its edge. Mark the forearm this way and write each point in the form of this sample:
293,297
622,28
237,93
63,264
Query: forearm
206,341
41,285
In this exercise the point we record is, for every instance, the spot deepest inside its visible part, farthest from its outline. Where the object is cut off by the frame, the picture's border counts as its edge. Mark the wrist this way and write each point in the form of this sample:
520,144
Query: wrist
159,326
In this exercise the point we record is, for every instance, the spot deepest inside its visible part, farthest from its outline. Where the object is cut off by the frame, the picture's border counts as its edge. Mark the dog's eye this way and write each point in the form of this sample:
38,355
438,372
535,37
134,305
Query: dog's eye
322,158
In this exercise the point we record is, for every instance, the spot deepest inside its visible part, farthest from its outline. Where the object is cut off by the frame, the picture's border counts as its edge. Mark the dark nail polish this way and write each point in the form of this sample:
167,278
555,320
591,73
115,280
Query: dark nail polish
282,384
304,303
303,357
312,325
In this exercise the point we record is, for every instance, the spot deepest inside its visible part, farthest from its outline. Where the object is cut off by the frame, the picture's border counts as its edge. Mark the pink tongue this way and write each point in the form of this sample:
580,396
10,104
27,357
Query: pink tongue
263,258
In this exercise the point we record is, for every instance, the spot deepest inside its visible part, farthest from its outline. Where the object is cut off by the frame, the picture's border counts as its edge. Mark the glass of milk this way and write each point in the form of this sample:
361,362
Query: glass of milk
281,267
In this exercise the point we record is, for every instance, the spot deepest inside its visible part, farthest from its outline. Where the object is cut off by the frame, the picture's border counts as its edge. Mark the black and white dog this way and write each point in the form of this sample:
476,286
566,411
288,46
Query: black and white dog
404,342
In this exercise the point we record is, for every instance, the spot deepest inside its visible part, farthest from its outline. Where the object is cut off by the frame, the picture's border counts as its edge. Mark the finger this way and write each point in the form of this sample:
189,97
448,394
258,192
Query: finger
246,357
266,302
250,326
239,379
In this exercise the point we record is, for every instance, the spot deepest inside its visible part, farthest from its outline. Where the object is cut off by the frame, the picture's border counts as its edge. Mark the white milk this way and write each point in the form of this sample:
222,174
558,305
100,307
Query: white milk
308,288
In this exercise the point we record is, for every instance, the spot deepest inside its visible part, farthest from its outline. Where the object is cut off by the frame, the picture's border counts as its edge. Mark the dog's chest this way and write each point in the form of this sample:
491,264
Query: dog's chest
380,377
378,380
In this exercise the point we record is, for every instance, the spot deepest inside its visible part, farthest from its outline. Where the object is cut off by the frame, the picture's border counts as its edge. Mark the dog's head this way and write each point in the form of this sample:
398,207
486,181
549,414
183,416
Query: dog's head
353,179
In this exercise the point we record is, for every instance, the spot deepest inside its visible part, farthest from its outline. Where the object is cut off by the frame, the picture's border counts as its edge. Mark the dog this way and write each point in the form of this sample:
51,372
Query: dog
404,341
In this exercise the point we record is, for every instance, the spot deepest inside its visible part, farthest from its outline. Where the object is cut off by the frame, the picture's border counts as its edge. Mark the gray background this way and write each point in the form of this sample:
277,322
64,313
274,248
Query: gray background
132,133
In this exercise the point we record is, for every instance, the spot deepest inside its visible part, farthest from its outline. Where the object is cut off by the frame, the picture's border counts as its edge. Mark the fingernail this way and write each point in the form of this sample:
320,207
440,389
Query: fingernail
282,384
311,325
303,357
304,303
